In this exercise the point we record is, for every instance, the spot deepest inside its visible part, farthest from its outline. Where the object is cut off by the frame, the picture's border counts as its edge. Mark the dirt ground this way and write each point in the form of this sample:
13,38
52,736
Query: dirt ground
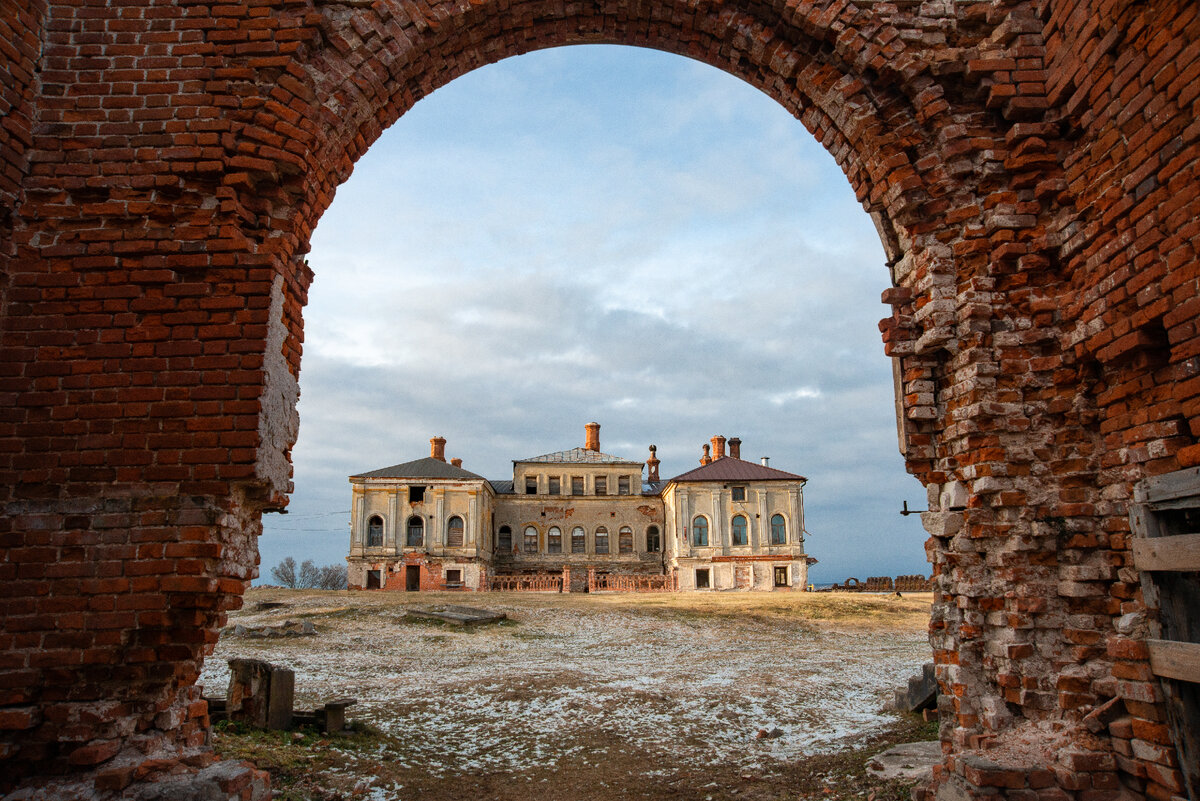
696,696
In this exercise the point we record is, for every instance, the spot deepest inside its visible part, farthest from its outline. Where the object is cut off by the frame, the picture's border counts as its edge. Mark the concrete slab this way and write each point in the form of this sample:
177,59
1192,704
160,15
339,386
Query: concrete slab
909,761
458,615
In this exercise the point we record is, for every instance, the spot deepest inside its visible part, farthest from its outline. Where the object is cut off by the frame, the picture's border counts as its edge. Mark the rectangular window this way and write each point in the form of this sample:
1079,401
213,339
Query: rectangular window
623,485
576,485
555,485
531,485
601,485
739,493
781,577
702,579
416,494
453,578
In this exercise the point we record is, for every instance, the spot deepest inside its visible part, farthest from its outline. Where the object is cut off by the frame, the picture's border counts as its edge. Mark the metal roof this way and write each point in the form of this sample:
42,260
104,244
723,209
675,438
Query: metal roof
502,487
728,468
422,468
577,456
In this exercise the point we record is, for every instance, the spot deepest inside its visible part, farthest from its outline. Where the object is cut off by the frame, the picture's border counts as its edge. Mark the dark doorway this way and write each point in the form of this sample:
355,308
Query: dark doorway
781,577
702,579
412,578
372,579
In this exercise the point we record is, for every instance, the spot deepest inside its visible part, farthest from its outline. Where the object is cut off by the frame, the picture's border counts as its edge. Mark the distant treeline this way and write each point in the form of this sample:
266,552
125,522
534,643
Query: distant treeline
309,576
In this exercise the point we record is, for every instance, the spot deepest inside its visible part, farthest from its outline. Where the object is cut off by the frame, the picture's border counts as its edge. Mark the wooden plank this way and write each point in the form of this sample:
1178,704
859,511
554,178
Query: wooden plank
1180,484
1175,660
1180,552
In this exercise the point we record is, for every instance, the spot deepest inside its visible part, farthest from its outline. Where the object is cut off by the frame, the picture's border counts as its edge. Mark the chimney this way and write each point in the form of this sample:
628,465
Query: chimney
437,448
456,462
652,464
592,442
705,459
766,459
735,448
718,445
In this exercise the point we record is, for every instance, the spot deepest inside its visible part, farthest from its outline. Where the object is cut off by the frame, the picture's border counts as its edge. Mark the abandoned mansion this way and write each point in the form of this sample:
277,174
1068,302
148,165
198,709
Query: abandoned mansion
579,520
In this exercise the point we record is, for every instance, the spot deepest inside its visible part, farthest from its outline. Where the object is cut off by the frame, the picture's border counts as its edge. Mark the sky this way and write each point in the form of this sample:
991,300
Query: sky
612,234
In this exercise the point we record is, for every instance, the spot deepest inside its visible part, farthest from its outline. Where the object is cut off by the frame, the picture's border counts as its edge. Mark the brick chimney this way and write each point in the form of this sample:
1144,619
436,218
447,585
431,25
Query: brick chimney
718,446
456,462
652,464
437,448
592,440
705,459
735,448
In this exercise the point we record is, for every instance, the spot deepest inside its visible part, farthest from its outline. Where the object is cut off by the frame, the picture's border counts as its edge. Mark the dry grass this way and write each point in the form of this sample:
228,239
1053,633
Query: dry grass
589,696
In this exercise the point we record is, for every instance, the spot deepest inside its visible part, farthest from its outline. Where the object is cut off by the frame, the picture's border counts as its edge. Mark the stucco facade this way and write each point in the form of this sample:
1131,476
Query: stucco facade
576,515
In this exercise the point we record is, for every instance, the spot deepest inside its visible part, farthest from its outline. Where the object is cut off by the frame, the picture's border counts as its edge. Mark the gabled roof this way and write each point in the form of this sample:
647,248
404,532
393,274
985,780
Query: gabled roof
422,468
578,456
728,468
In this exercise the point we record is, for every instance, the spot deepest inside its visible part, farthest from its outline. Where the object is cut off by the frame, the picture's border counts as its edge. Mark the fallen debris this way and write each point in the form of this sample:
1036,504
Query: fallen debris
289,628
921,693
458,615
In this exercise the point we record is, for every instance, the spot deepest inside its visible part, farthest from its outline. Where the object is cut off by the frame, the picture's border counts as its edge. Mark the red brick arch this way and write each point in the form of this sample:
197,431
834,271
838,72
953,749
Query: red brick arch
1030,167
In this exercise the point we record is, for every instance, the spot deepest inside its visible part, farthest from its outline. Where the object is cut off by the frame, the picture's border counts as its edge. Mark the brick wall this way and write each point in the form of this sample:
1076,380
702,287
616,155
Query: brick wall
1032,170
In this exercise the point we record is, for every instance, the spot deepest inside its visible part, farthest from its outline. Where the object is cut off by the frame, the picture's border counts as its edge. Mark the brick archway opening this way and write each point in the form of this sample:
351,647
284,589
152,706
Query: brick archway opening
164,167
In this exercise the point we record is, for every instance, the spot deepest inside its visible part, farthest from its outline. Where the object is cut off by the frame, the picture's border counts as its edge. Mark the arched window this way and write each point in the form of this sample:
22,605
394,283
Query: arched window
653,540
778,530
416,531
700,531
454,532
375,532
625,540
578,540
601,540
554,540
505,543
739,530
531,539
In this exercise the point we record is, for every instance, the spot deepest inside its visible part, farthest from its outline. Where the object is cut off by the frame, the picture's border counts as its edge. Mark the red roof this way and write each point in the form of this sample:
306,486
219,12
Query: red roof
729,469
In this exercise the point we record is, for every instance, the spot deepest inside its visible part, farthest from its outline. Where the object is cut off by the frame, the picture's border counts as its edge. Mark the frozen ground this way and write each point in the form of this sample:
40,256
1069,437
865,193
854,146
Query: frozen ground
666,682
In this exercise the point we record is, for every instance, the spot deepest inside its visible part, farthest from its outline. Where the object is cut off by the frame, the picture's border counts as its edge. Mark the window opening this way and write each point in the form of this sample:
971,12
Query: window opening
554,540
653,540
576,485
739,493
781,577
454,532
702,579
416,531
453,578
602,540
601,485
625,540
578,540
700,531
555,485
778,530
416,494
739,530
623,485
505,543
375,531
372,579
531,539
531,485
